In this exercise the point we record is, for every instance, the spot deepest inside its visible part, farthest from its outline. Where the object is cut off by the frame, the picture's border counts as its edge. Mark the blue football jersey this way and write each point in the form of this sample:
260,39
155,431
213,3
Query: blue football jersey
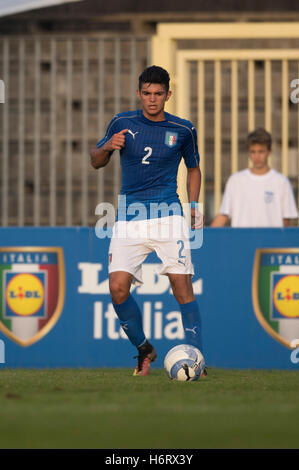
151,157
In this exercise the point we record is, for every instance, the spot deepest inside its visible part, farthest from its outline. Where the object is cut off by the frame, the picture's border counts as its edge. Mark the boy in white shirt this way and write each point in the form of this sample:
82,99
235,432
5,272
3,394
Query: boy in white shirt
258,196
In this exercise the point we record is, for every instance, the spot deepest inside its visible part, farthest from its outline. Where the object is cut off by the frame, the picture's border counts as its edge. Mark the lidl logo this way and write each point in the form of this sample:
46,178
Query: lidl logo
32,291
25,294
275,292
285,296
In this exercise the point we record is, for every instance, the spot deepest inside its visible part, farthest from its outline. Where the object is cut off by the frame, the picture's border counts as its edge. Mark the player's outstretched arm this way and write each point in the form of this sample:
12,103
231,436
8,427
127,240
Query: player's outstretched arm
221,220
193,183
101,156
193,189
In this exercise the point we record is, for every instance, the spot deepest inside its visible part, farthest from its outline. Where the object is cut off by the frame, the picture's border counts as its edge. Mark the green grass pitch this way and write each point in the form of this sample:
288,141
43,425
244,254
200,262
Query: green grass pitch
111,409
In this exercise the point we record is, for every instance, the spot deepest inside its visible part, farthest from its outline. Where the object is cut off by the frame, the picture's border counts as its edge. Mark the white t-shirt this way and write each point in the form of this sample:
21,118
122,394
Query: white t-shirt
258,200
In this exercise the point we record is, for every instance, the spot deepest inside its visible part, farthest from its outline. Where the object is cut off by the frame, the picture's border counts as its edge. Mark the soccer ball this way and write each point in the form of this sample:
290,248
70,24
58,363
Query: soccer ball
184,362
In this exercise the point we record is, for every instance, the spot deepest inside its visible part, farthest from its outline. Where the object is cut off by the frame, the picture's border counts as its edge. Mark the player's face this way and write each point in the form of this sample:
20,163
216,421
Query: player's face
259,154
153,97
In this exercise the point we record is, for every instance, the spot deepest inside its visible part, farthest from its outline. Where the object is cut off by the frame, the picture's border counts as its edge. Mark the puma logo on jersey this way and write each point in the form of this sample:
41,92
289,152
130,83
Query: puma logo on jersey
192,330
133,133
181,262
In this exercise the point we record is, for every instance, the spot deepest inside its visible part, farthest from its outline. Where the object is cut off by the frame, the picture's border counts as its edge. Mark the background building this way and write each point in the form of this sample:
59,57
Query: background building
69,68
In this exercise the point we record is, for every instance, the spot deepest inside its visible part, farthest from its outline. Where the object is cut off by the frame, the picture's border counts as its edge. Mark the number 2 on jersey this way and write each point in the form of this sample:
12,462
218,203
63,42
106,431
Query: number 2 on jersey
148,151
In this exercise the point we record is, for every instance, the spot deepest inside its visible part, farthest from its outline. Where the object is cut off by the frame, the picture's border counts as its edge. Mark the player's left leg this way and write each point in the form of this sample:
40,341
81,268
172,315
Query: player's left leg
173,248
183,291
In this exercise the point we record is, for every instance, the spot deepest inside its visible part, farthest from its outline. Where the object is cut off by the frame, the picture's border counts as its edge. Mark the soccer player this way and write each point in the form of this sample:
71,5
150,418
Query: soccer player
152,143
258,196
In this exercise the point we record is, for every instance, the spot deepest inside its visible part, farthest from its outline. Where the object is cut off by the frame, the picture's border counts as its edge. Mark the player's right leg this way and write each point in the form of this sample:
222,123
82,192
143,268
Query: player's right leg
130,318
126,255
126,307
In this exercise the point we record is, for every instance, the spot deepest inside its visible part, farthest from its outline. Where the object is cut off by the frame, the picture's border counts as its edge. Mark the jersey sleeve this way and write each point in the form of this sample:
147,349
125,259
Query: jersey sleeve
111,129
289,209
190,148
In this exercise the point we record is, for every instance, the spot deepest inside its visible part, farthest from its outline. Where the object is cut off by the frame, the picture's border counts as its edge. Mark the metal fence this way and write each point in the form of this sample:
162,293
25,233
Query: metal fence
62,91
60,94
230,78
230,93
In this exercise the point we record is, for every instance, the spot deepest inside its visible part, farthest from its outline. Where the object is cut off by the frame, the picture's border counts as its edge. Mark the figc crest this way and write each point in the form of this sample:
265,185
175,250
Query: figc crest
275,292
32,288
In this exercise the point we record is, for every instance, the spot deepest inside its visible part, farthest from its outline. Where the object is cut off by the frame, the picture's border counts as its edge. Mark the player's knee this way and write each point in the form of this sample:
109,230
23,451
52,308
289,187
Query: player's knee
182,289
184,298
183,293
118,290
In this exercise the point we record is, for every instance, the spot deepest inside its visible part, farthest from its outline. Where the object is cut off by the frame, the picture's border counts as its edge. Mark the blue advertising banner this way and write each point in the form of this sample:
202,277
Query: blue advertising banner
56,311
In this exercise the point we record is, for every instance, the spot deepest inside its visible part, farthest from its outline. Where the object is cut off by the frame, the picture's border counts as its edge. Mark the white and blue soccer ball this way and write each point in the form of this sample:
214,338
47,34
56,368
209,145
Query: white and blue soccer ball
184,362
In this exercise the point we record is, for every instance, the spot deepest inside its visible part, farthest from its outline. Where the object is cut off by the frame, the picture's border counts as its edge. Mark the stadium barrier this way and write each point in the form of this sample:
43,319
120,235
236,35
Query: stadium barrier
56,311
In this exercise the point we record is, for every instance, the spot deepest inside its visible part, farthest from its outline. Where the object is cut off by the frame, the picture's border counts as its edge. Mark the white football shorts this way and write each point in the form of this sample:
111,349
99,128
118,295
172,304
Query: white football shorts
132,241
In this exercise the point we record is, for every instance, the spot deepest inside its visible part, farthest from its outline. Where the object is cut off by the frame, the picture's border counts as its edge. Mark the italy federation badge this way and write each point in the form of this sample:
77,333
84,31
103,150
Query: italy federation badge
171,138
32,289
275,293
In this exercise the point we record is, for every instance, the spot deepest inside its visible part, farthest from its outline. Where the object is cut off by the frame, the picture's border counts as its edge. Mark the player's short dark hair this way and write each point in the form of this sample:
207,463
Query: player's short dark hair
260,136
154,74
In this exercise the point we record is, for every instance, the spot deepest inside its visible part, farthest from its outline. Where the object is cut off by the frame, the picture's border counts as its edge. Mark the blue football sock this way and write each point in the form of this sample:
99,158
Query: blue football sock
130,318
192,323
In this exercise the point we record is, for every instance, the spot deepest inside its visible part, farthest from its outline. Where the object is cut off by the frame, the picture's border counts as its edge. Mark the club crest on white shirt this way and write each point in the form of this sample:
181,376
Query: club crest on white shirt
269,197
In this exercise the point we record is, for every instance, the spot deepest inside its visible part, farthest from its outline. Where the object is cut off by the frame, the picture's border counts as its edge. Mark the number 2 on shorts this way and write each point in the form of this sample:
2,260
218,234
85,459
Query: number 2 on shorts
180,242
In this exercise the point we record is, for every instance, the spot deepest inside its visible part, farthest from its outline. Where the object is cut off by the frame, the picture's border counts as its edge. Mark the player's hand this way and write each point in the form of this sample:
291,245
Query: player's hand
117,141
197,219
